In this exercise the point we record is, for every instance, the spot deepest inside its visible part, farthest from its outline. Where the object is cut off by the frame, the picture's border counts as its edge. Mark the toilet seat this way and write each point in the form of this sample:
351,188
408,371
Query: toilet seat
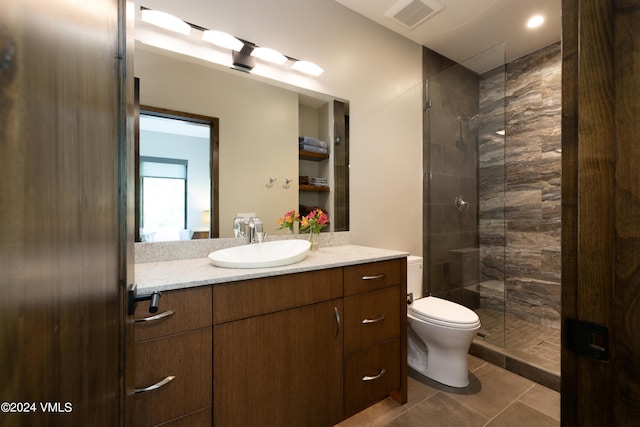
444,313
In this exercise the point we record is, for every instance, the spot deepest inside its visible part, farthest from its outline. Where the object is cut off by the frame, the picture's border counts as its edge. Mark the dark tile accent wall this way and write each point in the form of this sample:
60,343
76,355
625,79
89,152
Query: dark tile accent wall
530,171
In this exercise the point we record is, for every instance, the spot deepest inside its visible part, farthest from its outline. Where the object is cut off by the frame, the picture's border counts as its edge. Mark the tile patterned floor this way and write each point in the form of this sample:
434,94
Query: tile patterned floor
494,398
532,343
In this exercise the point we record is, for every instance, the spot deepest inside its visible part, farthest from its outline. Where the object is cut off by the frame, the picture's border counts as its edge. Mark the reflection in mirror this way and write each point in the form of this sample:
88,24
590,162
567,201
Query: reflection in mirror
176,169
260,125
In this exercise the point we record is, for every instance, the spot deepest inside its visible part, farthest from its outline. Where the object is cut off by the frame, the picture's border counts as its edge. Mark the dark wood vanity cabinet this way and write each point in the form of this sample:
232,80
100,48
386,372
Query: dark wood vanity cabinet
176,342
302,349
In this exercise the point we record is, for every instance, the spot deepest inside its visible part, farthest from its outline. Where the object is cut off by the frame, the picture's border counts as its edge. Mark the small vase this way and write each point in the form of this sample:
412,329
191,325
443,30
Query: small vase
313,238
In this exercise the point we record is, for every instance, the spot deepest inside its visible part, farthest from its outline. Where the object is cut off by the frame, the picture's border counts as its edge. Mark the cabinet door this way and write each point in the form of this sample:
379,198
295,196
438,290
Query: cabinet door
280,369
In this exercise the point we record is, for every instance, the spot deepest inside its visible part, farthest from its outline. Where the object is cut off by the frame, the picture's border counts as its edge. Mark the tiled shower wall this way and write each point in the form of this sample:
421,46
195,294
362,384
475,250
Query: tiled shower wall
532,159
512,184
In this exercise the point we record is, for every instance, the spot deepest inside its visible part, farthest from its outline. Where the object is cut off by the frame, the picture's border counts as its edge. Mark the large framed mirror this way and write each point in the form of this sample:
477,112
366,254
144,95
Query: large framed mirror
260,123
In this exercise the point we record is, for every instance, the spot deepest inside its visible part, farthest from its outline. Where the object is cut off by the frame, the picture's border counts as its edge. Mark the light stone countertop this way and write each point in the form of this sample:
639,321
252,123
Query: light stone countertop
186,273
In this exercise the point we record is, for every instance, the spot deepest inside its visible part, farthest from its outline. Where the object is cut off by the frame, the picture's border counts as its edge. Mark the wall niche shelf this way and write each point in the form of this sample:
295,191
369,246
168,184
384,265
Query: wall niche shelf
314,157
317,188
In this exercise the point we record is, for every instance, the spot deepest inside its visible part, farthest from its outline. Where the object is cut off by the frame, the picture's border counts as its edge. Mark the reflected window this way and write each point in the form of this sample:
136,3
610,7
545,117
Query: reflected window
163,196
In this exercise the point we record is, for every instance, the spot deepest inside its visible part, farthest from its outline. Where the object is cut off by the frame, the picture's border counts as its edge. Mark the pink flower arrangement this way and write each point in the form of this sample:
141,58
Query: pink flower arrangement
290,218
314,222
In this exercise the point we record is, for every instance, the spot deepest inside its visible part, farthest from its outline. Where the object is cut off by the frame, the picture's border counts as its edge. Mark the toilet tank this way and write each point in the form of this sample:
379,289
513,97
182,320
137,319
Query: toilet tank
414,276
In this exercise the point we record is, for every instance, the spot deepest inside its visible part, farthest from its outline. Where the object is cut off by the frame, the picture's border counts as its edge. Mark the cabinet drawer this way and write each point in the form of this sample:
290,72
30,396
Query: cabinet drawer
191,310
365,382
188,357
202,418
241,300
371,318
372,276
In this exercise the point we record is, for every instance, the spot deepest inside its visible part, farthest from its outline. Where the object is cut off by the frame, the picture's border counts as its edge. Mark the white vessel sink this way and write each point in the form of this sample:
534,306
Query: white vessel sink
258,255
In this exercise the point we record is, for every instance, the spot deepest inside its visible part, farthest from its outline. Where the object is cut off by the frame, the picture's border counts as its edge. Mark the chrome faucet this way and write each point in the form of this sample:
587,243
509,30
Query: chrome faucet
255,229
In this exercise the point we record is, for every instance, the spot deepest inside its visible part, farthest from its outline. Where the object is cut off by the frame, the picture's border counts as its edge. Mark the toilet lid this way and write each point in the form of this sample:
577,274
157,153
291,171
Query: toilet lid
440,310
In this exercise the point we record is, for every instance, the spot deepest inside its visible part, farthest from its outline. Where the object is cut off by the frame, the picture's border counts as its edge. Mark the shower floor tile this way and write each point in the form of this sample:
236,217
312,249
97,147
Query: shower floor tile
532,343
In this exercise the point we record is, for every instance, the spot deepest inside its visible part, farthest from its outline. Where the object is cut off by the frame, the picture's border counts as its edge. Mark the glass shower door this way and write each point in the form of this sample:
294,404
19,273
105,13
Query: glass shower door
465,186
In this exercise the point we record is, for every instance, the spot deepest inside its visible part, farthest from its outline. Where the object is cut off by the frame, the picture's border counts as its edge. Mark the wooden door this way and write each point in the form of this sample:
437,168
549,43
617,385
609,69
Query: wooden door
61,256
601,210
280,369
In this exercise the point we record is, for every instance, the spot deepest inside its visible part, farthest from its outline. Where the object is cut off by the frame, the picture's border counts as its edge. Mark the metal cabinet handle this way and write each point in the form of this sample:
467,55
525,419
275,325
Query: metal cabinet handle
337,315
369,321
376,277
156,386
156,317
374,377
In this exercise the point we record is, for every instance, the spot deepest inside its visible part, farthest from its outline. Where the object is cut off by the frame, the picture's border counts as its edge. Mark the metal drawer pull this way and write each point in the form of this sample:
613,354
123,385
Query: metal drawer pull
375,377
368,321
156,317
156,385
377,277
335,312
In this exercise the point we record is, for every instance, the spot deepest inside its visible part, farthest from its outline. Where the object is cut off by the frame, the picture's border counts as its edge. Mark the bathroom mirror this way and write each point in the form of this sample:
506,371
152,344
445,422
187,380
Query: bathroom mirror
260,122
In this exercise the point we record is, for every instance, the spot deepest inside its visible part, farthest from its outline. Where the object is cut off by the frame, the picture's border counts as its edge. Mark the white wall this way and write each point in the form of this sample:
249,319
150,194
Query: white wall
377,71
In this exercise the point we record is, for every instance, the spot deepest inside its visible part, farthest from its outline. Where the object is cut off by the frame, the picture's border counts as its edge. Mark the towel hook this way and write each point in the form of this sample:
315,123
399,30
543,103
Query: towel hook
287,181
270,183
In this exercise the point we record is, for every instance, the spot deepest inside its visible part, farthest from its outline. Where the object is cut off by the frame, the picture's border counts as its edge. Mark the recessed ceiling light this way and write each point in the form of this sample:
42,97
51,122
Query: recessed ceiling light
535,21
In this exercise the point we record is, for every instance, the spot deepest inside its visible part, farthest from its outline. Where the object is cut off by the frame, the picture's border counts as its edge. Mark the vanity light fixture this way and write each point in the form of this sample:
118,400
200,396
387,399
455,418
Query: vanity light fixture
222,39
500,132
269,55
243,52
165,20
307,68
535,21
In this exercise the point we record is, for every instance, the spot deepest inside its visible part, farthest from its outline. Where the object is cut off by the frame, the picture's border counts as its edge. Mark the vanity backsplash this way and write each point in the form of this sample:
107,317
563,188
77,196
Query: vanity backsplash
200,248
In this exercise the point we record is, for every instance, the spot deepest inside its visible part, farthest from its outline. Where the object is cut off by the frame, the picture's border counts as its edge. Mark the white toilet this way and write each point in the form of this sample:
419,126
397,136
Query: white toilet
440,333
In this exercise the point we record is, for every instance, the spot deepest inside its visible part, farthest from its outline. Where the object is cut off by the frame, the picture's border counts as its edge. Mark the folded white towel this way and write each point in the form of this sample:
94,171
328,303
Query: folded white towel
307,140
313,149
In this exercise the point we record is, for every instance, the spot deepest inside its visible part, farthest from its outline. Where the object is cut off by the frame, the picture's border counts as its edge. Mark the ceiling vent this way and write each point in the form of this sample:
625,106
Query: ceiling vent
412,13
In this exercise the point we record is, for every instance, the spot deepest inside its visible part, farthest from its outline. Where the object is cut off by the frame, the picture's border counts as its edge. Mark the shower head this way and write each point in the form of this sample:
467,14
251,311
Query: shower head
473,122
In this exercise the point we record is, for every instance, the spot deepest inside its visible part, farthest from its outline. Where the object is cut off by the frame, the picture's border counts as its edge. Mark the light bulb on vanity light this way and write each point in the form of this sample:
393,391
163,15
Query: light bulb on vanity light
221,39
307,68
165,20
269,55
